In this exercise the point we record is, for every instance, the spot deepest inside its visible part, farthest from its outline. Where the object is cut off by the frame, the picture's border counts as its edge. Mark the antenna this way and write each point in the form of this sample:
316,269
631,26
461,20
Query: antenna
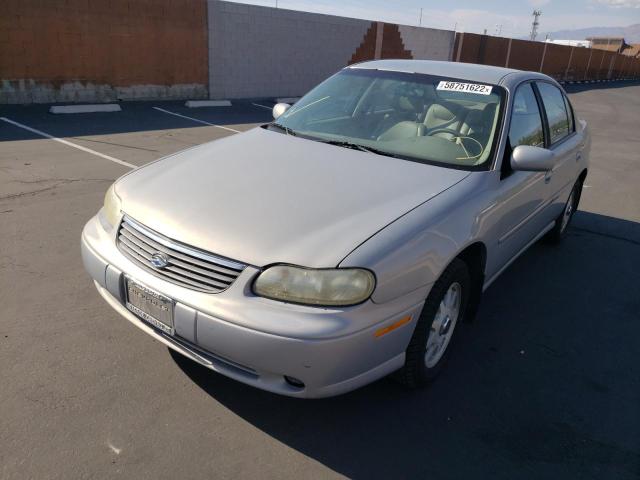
534,26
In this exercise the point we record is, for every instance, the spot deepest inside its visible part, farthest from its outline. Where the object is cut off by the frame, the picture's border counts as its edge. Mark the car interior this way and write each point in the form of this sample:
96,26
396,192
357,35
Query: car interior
411,119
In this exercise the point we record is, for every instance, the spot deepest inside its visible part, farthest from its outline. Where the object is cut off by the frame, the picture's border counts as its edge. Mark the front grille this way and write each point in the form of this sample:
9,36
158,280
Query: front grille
187,266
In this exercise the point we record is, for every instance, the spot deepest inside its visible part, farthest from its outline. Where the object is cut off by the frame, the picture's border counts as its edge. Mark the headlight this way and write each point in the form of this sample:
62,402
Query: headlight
112,206
326,287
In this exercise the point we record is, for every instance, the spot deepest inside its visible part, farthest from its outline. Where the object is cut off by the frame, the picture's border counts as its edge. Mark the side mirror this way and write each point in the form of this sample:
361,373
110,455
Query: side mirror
279,109
532,159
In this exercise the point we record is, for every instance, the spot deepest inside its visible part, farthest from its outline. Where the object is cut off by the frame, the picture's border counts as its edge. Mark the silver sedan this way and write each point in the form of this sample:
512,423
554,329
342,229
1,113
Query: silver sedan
351,237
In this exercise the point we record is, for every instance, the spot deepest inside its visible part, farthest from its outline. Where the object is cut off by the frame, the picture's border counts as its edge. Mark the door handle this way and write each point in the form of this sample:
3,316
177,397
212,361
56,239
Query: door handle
578,156
547,176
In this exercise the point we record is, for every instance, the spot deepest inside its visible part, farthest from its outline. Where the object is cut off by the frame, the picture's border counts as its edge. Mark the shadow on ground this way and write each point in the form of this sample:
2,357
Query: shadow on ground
134,117
141,116
544,384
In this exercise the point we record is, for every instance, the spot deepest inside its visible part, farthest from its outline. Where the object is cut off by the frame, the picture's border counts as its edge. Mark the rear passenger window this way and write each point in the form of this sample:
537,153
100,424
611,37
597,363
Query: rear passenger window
553,101
526,123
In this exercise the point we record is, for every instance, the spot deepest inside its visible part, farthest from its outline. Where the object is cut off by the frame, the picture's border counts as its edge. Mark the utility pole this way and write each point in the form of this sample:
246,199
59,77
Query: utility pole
420,23
534,26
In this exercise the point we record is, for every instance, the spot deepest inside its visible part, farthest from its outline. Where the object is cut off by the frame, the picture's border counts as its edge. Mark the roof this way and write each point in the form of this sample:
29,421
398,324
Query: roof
606,39
463,71
611,44
571,43
634,51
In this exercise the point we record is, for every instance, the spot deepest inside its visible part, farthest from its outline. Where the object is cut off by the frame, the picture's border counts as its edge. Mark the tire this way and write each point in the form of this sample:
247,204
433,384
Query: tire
559,230
422,367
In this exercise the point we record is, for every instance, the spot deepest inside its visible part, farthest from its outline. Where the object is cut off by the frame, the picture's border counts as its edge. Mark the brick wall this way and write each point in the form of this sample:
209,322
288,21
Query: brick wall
102,50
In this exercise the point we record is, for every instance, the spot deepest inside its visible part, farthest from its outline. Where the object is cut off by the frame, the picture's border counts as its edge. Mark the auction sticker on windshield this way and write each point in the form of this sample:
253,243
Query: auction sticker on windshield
464,87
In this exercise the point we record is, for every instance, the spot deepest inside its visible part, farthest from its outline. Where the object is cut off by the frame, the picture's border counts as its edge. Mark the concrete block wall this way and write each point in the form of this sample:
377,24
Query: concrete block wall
99,50
428,43
267,52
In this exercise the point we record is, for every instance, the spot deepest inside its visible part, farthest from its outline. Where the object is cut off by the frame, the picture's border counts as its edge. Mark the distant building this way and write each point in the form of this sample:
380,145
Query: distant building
611,44
571,43
634,51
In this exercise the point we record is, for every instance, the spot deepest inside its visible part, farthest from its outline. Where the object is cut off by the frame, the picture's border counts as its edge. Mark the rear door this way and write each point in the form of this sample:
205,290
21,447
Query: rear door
564,141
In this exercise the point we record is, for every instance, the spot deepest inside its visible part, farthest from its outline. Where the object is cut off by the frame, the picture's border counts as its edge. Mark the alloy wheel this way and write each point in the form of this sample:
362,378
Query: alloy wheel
443,325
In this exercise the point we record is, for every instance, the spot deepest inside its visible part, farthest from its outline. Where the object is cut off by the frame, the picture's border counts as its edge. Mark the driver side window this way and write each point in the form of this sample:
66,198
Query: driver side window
526,122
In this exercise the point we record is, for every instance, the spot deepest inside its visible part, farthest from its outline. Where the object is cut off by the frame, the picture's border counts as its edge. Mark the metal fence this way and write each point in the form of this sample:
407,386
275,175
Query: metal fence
564,63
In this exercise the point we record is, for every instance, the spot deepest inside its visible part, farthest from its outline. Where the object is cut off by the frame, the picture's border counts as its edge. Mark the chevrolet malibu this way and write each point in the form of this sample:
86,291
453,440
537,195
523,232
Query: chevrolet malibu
351,237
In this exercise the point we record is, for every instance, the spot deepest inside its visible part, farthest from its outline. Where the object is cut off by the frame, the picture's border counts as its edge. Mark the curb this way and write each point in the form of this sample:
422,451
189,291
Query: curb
289,100
104,107
207,103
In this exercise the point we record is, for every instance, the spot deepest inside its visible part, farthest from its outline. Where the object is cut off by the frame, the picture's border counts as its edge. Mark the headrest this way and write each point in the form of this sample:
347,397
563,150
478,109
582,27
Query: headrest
405,104
489,111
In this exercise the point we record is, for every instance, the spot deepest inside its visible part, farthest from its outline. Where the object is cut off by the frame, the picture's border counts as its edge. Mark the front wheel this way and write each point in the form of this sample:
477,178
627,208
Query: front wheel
443,311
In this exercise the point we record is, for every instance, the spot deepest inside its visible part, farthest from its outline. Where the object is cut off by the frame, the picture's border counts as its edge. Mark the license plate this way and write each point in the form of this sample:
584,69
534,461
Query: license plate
152,307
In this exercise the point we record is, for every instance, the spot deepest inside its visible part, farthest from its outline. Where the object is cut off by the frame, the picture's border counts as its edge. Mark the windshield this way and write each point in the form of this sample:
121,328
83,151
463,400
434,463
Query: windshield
417,117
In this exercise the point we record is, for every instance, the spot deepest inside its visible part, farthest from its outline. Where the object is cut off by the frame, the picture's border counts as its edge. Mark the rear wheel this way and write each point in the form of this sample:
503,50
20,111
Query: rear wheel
559,230
443,311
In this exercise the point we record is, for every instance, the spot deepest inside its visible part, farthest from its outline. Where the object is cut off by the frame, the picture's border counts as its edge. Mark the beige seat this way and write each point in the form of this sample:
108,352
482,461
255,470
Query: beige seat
402,130
446,115
474,123
478,123
397,124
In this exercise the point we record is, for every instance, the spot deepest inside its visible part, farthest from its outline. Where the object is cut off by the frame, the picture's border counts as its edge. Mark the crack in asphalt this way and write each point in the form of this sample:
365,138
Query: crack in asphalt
85,139
58,182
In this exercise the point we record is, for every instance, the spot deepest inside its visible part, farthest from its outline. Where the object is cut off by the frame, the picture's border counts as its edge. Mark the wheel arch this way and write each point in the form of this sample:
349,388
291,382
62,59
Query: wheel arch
474,256
583,175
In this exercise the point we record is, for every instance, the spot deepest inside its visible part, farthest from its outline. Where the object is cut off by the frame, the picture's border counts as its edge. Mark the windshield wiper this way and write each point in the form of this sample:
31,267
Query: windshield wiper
357,146
286,130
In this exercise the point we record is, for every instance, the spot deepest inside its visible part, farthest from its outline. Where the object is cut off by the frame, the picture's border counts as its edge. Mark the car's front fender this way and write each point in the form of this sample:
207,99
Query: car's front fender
411,253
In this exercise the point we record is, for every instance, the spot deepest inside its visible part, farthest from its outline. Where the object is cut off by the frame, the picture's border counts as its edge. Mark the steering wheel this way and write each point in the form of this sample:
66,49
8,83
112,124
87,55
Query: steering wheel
460,139
443,130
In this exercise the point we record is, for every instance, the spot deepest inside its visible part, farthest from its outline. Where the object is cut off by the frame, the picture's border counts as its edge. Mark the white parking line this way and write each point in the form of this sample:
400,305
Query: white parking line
263,106
69,144
196,120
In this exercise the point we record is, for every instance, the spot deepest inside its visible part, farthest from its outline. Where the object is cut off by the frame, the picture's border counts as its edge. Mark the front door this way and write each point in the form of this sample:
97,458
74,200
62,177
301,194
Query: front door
522,196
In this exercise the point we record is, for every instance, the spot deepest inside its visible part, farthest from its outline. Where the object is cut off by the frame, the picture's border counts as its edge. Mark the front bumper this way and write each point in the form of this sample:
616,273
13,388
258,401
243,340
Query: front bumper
258,341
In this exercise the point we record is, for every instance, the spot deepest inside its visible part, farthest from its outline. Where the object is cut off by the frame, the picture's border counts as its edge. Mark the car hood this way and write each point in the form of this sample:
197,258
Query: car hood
264,197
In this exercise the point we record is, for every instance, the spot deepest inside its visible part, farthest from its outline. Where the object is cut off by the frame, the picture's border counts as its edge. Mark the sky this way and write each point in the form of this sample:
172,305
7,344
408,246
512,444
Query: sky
514,16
